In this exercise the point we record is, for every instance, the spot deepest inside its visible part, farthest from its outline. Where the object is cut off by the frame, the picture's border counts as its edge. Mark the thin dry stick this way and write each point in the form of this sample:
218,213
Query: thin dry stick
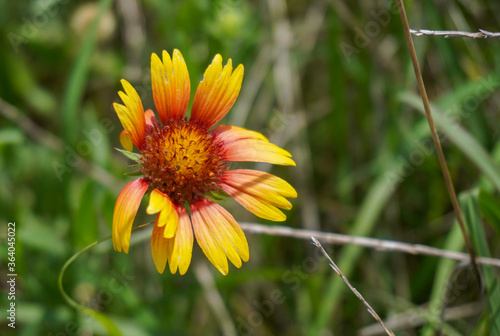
413,317
482,34
379,244
341,239
214,299
354,290
435,137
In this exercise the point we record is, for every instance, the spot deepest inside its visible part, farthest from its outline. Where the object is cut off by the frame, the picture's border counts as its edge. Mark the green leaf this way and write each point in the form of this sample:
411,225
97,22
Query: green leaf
131,155
454,242
472,217
490,209
134,173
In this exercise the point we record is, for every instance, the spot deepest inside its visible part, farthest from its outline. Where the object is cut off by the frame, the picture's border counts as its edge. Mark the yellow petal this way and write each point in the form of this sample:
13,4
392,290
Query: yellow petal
266,187
207,240
255,205
181,91
159,247
156,202
171,85
219,235
256,151
268,181
232,236
131,114
160,202
240,144
125,141
217,92
169,218
181,245
227,133
126,207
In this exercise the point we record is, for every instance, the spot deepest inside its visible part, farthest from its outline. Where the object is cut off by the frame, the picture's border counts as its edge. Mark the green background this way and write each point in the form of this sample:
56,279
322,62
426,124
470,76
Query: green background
331,82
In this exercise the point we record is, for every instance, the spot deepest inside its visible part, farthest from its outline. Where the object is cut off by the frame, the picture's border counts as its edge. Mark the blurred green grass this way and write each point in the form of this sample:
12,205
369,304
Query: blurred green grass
329,81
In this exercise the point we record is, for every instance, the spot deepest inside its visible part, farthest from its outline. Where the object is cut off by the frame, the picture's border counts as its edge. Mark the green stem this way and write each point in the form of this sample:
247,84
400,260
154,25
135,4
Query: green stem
111,328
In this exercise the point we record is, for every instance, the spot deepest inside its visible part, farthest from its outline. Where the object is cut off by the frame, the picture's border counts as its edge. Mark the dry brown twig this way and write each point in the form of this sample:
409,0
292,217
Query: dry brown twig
482,34
354,290
435,137
413,317
379,244
214,299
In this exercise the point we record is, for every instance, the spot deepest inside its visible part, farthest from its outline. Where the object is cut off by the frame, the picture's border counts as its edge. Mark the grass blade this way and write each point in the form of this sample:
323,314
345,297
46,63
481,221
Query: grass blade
490,209
462,139
469,202
77,78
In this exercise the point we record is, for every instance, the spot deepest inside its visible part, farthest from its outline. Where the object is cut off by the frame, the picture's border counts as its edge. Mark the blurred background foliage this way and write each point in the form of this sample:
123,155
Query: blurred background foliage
328,80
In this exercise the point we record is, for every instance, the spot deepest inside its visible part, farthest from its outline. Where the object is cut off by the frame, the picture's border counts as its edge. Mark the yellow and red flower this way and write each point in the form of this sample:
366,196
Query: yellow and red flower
184,162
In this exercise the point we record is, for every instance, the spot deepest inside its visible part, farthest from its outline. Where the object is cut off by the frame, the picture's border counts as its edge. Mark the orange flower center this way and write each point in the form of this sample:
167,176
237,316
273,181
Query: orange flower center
182,160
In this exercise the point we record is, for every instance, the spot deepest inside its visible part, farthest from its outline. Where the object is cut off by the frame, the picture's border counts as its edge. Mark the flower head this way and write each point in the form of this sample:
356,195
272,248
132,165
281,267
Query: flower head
185,162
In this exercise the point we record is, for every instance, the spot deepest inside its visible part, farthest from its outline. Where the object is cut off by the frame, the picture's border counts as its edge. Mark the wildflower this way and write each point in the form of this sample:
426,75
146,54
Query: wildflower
184,164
